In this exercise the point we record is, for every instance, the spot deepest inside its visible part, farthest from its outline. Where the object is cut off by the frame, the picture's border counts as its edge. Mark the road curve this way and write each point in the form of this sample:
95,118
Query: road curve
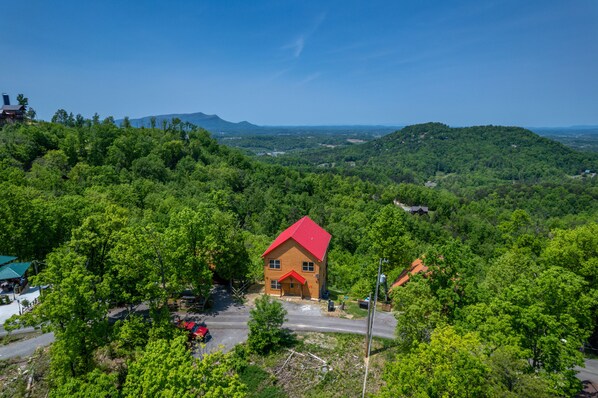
229,329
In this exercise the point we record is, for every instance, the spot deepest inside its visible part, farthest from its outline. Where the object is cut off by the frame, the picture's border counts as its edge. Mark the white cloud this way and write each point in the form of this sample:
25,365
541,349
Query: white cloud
298,44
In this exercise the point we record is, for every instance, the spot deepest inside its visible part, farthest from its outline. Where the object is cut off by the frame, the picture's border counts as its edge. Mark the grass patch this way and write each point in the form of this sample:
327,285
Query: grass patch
11,338
352,308
260,383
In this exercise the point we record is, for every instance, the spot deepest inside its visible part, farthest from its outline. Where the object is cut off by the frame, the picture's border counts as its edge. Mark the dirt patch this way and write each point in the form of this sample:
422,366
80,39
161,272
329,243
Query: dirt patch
25,377
326,365
254,291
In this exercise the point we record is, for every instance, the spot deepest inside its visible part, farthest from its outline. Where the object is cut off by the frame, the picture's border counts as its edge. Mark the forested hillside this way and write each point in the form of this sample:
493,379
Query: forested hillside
434,151
121,215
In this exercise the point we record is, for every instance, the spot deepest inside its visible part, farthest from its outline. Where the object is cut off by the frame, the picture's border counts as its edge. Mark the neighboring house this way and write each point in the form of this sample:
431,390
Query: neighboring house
295,264
11,113
412,209
416,267
418,210
11,273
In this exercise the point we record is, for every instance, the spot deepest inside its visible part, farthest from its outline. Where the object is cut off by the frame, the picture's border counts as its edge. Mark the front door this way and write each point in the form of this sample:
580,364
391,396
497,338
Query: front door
291,287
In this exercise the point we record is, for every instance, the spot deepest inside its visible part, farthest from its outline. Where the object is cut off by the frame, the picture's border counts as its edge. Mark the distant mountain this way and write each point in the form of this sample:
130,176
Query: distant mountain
212,123
566,131
434,151
216,125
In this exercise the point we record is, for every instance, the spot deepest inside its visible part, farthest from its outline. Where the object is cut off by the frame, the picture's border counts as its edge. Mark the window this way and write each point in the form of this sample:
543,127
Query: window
292,285
274,285
274,264
308,266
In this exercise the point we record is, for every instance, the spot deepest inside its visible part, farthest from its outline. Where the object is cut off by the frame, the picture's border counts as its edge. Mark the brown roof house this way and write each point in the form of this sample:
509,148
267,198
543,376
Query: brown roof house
417,267
11,113
295,264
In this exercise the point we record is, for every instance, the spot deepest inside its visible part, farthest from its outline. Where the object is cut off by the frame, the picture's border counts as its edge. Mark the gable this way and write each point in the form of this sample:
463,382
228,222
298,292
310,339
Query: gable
307,234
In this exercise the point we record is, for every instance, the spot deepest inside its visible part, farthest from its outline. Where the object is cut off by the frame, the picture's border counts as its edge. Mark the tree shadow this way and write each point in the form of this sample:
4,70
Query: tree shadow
386,345
222,300
288,338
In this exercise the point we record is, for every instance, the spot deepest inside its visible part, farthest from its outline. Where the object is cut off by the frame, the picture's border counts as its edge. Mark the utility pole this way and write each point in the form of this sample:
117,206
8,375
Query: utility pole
370,328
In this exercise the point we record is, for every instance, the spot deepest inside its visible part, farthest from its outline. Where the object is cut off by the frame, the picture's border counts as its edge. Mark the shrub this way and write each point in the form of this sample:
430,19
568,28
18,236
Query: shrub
265,325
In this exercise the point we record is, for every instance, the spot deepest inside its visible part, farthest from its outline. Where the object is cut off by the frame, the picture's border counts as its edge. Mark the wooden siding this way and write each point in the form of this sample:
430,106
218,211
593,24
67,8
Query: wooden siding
291,256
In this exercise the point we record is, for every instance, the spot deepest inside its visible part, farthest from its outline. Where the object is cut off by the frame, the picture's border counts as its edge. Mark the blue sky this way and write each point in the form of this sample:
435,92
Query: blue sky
512,62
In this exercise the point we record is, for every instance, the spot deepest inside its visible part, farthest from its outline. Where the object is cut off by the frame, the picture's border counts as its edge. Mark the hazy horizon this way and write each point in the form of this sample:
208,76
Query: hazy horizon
306,64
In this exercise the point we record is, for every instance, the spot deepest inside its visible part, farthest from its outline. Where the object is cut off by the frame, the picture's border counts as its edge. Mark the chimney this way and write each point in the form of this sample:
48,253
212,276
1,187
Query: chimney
6,99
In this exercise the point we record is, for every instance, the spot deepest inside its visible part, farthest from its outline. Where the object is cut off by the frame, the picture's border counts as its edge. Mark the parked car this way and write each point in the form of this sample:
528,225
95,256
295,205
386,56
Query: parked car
196,330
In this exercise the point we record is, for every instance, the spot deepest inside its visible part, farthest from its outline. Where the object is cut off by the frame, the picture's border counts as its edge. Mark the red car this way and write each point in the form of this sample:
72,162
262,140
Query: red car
197,331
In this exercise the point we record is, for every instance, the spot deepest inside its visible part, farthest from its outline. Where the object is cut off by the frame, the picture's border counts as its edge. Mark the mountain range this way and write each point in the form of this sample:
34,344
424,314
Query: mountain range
212,123
216,125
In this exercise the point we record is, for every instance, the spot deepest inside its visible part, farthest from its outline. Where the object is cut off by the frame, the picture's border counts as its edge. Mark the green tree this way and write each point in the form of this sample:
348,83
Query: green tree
389,238
93,384
167,369
185,240
138,267
61,116
75,309
419,312
453,275
22,100
265,325
575,250
451,365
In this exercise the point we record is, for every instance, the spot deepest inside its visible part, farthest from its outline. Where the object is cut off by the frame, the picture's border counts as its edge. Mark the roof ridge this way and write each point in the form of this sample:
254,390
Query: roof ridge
298,225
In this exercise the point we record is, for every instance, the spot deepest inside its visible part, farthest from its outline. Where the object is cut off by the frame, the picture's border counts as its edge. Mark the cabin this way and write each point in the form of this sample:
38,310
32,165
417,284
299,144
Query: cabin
416,267
11,113
295,264
421,210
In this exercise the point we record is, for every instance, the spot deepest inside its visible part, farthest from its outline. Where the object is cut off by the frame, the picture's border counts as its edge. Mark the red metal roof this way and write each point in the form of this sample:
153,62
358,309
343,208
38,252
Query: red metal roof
308,234
293,274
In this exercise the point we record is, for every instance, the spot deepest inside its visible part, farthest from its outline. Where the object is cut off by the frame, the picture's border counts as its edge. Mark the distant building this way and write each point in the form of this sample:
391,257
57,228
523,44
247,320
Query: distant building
412,209
416,267
11,113
418,210
295,264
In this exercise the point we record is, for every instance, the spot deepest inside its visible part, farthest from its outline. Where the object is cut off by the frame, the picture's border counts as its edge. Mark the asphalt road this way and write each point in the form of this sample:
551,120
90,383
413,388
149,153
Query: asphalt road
25,348
589,376
228,326
228,322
